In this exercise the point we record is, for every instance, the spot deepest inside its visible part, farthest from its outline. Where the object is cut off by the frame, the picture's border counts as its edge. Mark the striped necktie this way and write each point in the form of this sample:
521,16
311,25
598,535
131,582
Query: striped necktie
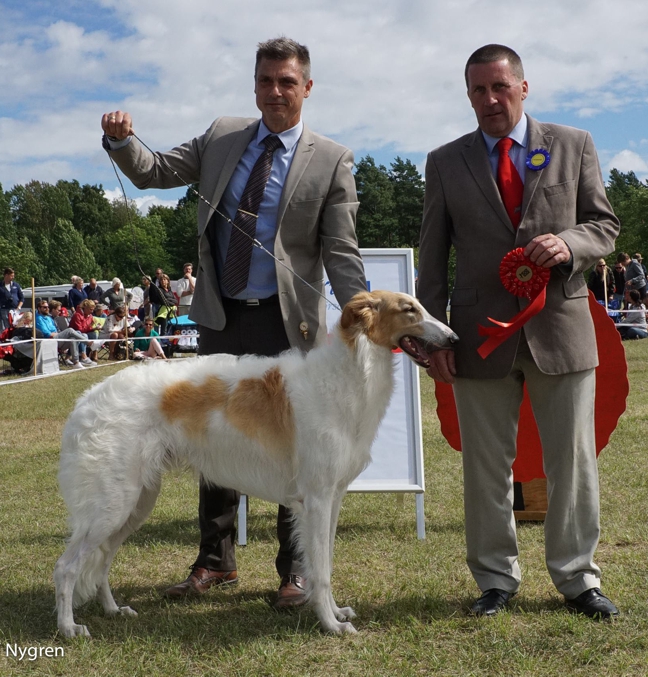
239,251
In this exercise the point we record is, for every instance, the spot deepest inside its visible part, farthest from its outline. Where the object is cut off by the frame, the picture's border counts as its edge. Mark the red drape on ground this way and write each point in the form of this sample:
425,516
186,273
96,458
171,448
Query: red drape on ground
611,392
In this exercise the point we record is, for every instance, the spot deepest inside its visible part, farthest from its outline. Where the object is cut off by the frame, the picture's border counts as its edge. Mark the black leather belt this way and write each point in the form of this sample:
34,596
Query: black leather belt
250,303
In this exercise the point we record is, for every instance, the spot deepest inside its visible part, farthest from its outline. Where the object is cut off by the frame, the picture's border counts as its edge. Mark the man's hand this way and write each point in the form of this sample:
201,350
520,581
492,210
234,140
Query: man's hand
442,366
548,251
117,124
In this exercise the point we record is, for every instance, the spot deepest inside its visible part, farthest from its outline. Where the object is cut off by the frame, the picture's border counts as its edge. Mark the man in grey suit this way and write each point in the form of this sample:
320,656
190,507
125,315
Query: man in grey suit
561,217
291,189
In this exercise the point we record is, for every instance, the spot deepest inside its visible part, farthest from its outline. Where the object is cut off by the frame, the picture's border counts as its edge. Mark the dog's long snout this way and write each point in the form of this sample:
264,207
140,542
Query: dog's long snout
438,335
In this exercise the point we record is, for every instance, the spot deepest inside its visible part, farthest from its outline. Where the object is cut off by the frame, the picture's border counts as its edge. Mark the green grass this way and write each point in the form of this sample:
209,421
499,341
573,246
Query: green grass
411,596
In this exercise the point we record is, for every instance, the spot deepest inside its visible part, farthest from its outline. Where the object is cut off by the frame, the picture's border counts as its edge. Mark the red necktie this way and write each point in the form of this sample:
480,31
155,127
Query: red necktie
509,182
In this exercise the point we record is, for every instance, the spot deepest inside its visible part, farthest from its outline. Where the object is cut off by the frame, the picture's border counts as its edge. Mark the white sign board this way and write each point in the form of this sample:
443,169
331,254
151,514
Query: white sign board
397,453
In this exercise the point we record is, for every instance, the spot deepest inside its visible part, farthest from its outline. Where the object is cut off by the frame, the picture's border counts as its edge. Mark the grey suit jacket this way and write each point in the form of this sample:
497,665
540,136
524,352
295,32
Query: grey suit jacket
315,223
463,209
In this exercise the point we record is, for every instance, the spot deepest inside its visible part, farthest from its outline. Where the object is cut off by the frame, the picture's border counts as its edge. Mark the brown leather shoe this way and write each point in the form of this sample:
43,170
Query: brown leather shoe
292,592
199,581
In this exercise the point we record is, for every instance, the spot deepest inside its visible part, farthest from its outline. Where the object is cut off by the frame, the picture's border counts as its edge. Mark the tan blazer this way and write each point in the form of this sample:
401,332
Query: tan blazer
315,223
463,209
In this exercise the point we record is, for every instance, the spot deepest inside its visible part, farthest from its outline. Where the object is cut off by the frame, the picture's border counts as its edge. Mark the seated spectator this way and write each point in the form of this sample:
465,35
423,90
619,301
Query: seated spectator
99,315
635,326
113,328
93,291
22,330
83,321
601,282
56,313
167,302
76,294
47,326
116,295
11,297
148,346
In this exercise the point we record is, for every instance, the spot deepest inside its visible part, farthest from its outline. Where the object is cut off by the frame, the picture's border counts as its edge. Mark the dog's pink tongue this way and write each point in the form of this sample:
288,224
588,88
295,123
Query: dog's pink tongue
415,350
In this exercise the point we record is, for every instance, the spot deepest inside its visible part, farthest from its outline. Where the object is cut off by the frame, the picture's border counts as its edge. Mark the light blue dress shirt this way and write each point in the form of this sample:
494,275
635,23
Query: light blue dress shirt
262,282
518,152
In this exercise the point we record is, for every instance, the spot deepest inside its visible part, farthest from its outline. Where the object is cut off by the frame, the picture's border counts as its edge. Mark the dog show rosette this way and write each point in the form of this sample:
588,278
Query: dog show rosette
521,277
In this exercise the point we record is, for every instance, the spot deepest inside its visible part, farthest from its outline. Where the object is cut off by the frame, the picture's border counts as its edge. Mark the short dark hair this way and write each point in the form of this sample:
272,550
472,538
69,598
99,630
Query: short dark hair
280,49
490,53
187,264
8,271
635,295
622,257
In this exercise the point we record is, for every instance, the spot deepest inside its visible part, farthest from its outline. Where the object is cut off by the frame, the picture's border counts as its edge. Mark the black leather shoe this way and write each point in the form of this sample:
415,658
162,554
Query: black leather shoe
592,603
491,602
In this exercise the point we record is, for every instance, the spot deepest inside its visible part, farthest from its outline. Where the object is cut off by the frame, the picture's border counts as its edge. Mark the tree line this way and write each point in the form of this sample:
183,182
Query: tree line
53,231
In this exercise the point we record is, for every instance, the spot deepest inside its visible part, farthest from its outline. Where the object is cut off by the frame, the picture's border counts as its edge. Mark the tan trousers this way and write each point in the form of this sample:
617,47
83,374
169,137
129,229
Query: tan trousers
563,407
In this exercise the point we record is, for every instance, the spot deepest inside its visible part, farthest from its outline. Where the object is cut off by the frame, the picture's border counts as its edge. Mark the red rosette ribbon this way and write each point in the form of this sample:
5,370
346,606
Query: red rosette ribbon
521,277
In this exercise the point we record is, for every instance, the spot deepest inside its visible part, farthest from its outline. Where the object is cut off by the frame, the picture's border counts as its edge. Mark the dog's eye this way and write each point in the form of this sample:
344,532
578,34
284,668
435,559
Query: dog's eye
408,309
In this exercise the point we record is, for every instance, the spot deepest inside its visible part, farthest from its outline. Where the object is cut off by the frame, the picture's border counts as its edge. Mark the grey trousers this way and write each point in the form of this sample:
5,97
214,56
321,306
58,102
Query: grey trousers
563,407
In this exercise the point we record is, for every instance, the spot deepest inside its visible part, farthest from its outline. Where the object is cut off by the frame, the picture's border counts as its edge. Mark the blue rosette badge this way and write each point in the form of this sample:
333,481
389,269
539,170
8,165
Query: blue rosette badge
538,159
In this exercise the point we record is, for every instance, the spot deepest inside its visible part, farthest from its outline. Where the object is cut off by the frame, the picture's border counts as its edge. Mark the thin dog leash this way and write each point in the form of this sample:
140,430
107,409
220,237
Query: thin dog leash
255,242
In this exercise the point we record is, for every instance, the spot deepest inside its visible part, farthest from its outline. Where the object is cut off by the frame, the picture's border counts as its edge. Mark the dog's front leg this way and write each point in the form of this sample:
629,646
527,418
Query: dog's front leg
344,613
314,538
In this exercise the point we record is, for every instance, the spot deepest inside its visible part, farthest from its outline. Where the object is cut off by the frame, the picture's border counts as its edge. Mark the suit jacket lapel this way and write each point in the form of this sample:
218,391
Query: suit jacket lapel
240,142
476,157
303,155
537,139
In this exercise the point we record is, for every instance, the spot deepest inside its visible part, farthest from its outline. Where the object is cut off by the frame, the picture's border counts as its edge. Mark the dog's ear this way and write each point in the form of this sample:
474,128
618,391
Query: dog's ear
359,312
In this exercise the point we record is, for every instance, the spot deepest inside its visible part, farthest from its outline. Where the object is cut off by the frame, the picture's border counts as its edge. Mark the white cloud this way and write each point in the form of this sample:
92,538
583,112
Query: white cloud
629,161
388,73
143,204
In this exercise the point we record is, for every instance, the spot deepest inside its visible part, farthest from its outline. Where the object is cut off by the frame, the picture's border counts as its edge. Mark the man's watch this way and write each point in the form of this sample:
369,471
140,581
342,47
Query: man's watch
105,139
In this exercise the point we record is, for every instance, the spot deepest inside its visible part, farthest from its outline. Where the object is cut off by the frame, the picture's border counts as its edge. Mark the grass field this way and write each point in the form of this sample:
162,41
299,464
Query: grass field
411,596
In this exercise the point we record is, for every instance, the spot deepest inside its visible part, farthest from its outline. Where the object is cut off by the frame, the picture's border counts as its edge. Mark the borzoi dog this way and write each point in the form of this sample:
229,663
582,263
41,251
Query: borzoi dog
294,429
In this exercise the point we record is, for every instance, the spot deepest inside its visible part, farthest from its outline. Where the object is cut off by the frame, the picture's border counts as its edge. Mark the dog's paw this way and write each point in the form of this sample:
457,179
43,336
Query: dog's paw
341,629
347,629
127,611
74,631
345,614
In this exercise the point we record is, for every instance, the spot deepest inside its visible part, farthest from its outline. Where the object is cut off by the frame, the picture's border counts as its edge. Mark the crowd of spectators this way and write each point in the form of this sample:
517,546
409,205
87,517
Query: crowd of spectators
623,289
90,315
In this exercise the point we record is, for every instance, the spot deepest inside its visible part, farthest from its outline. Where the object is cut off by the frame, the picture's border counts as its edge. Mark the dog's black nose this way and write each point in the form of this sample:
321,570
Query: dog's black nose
454,339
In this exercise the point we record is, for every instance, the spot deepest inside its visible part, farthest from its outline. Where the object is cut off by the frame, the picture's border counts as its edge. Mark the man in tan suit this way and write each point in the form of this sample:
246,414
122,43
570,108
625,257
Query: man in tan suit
244,302
564,222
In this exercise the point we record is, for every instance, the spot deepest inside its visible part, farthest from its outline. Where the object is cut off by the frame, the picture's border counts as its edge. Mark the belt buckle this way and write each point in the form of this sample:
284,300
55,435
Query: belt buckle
252,302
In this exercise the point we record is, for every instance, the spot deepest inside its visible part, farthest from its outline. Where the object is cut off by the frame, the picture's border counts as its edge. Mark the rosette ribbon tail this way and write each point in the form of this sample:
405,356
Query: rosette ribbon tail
504,330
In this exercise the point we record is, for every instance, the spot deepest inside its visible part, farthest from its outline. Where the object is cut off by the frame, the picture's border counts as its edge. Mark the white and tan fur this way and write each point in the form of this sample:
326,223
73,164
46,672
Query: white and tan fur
294,429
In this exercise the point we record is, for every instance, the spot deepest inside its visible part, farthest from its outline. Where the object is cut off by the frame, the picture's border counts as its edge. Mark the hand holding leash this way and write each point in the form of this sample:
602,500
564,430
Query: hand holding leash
117,124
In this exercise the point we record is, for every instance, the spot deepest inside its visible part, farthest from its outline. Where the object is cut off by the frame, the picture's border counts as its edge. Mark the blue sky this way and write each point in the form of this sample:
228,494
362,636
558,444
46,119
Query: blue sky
388,74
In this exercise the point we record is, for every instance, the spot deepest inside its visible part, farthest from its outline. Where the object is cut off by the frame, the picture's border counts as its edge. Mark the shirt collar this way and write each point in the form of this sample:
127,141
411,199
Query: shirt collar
289,138
518,134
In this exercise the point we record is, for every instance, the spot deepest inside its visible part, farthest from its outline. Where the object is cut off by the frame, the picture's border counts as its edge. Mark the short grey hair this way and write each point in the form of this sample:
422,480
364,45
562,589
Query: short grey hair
494,52
282,48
